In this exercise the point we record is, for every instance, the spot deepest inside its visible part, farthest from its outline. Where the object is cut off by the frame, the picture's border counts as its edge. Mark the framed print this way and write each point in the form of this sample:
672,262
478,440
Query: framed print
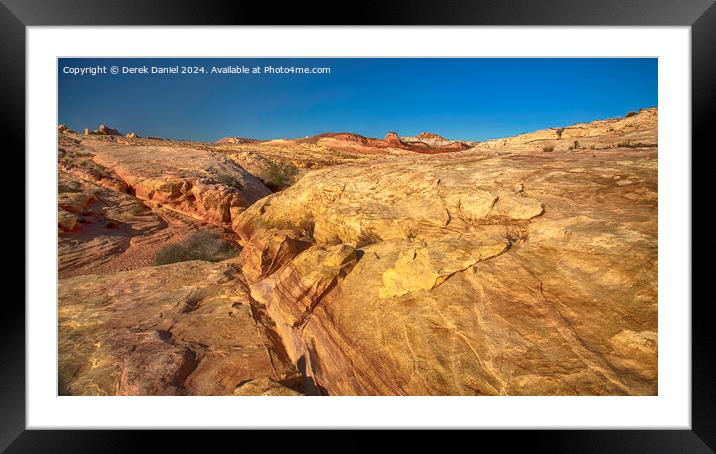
475,217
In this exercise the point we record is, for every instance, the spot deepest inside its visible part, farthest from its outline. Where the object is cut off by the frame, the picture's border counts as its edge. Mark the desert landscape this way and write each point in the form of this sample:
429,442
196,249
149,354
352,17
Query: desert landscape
339,264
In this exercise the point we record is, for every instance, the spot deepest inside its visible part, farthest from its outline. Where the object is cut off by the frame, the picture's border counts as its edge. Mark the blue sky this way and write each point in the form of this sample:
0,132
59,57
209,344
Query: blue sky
469,99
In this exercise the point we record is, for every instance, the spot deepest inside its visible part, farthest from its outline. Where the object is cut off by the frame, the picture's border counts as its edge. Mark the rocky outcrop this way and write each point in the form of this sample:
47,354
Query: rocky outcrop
430,136
63,129
76,161
635,131
102,130
297,287
351,142
235,140
107,131
433,143
101,230
499,270
190,181
471,276
357,205
188,328
392,140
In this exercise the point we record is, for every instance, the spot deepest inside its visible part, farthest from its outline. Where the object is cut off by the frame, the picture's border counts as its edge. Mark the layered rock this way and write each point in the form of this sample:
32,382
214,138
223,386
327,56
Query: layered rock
97,226
392,140
268,251
188,328
102,230
500,270
292,293
235,140
425,136
436,142
509,275
390,144
639,130
191,181
76,160
361,204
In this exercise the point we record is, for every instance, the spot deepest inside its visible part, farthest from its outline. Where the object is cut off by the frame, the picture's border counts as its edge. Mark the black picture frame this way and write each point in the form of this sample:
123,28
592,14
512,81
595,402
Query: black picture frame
700,15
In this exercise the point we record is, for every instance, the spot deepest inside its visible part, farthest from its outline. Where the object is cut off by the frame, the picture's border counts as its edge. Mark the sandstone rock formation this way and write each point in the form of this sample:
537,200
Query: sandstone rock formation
64,129
383,267
389,144
103,227
634,131
187,328
193,182
235,140
473,275
263,387
366,203
392,140
268,251
430,136
107,131
436,142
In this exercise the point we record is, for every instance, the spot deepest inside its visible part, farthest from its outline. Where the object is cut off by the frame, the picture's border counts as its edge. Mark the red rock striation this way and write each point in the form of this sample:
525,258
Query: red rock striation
428,144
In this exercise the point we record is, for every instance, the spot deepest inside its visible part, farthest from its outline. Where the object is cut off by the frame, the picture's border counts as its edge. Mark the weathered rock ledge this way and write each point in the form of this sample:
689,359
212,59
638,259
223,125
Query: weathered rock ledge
464,276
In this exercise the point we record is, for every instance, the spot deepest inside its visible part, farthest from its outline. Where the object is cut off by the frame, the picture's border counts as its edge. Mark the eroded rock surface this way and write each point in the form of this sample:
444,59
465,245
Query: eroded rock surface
502,269
191,181
186,328
97,225
636,130
401,198
263,387
474,274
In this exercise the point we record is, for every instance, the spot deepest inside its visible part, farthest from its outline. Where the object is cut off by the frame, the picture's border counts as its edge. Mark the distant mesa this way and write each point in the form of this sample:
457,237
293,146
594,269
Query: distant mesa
64,129
132,135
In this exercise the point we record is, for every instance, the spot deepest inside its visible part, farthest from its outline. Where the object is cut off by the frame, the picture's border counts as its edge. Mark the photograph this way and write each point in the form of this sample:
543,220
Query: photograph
374,226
